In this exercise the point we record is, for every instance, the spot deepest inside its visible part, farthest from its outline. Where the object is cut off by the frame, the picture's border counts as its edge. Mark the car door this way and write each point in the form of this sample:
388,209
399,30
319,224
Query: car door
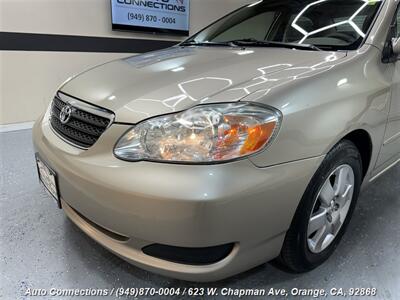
391,148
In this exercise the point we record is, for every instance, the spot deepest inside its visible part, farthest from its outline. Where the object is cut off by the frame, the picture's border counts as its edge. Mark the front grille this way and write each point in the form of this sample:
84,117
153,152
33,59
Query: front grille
84,126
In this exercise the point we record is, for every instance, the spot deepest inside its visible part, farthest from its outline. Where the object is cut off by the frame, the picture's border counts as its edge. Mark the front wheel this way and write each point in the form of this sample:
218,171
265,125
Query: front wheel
324,211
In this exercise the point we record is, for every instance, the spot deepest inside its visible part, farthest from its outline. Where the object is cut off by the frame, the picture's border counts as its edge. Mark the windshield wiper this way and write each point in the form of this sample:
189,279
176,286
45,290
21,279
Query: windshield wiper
211,44
254,42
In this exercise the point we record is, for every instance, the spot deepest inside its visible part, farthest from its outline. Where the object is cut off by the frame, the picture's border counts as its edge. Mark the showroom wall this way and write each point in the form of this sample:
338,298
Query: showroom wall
43,42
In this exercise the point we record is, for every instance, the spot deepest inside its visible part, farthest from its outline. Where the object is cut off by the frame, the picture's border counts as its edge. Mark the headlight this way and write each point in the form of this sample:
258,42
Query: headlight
203,134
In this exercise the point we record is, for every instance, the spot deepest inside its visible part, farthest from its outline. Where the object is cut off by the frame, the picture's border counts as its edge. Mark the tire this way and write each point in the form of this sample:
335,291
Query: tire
302,251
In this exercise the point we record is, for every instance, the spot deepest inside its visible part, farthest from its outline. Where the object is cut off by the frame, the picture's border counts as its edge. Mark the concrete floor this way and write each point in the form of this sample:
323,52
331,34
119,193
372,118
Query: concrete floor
41,248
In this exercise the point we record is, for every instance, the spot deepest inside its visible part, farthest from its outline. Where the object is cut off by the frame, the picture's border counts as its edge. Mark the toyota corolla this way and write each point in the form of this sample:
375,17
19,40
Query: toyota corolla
248,142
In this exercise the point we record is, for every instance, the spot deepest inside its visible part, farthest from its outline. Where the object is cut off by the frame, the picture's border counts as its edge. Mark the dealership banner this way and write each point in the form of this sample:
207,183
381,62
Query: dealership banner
151,15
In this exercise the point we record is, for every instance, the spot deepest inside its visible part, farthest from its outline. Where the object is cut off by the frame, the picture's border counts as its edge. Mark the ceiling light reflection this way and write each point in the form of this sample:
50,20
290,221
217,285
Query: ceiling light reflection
179,69
245,52
255,3
342,82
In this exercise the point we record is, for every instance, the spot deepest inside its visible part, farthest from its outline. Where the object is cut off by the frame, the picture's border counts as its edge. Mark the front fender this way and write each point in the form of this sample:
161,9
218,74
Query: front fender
319,109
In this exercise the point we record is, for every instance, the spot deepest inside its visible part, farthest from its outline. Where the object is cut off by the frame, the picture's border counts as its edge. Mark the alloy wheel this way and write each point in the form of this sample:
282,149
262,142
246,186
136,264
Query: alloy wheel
330,208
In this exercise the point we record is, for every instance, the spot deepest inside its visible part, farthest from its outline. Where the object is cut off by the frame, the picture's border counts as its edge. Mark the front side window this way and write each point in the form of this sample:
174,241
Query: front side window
394,32
333,24
397,24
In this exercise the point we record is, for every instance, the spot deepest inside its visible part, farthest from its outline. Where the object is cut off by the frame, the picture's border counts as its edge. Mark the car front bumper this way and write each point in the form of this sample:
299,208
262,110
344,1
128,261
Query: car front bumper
175,205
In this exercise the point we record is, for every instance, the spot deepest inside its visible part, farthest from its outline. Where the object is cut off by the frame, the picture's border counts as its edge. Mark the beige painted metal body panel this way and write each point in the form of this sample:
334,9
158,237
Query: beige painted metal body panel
323,96
186,206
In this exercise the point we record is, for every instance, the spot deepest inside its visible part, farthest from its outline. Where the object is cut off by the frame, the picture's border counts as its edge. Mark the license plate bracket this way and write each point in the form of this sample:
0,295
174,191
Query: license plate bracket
48,178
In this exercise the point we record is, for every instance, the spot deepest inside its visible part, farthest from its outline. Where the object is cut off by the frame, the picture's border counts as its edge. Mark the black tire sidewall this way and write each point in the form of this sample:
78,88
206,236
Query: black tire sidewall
345,153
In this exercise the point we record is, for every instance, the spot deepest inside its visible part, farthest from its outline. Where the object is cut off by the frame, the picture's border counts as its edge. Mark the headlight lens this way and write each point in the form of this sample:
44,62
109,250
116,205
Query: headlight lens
203,134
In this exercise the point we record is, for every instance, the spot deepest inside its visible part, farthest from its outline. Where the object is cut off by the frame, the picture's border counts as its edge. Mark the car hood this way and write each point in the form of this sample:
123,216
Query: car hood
178,78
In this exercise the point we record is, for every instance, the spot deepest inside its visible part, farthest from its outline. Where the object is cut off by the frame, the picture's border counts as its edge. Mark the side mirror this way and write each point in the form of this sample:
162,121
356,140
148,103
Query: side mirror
396,46
391,52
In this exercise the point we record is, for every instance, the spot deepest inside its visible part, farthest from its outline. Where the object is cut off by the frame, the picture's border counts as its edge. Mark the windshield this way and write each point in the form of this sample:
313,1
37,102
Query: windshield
327,24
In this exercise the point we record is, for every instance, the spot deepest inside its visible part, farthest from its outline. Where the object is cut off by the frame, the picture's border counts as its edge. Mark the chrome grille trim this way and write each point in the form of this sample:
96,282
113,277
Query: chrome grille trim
86,107
88,122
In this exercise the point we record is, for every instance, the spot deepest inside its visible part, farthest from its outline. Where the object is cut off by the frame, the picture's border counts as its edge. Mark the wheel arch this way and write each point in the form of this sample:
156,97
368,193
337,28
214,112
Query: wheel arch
363,141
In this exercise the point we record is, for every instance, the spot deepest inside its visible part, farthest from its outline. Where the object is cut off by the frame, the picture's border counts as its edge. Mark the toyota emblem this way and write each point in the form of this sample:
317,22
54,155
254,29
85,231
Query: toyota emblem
65,114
